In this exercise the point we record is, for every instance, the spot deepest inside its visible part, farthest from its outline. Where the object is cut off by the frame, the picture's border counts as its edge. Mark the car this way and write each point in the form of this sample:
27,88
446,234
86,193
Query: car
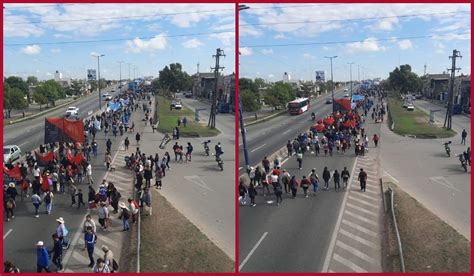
72,110
188,94
328,101
346,95
410,107
345,89
178,105
11,153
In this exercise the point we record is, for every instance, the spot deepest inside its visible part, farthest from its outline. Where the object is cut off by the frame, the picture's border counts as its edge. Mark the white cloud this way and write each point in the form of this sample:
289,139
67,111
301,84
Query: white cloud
227,38
137,45
368,45
279,36
20,30
192,43
271,76
245,51
267,52
405,44
308,56
31,50
386,24
55,50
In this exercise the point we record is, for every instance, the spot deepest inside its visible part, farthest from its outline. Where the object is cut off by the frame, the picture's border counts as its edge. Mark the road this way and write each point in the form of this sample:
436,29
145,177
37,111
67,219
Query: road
429,175
29,134
265,138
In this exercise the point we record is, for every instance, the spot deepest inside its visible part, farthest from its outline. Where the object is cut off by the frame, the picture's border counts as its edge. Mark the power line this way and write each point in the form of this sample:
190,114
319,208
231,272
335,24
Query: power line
352,19
348,41
112,18
27,7
112,39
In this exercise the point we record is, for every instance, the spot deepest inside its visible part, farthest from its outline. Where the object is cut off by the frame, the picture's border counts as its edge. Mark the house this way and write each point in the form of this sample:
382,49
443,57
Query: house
462,91
435,86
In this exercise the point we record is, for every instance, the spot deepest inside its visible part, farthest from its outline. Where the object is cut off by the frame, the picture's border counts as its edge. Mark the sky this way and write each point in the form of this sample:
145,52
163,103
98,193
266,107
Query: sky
146,36
375,37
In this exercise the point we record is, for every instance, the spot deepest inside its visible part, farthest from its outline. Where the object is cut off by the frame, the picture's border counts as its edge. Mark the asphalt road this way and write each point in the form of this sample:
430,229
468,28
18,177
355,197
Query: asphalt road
29,134
265,138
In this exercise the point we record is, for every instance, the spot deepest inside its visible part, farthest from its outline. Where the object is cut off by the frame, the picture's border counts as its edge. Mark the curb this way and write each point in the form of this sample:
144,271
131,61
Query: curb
266,118
42,112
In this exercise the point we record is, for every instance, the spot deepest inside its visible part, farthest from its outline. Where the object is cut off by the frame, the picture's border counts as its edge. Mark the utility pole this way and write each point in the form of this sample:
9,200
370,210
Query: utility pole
129,71
212,117
449,111
120,81
198,68
98,56
332,82
241,117
350,63
424,71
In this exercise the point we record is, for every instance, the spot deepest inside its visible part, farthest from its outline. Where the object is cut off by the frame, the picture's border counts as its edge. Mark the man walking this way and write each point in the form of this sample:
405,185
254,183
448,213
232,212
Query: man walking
345,177
42,258
463,137
57,252
362,179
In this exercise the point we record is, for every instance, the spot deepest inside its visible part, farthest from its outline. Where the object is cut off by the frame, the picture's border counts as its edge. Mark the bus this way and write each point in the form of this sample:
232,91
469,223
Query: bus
298,106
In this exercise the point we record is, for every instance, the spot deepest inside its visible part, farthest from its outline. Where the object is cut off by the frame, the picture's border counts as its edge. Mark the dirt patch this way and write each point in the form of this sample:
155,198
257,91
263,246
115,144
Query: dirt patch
429,244
128,256
171,243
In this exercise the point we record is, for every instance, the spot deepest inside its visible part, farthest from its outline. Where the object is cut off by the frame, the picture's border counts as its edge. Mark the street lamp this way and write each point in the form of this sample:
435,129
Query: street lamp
98,56
120,81
241,118
332,82
350,63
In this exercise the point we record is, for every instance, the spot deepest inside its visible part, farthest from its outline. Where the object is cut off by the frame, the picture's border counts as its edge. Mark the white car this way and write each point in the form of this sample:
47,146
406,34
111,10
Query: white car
11,153
346,95
72,110
410,107
345,90
178,105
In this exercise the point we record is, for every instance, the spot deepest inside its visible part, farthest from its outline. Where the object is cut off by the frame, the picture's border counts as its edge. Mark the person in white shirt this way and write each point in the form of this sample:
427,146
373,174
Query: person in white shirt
90,181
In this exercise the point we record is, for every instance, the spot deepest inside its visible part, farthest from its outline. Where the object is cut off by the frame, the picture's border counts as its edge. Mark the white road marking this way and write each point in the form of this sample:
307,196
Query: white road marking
356,252
284,161
443,181
8,233
198,181
361,218
332,244
287,131
359,228
22,144
394,179
360,209
351,197
257,148
348,263
240,168
252,251
359,239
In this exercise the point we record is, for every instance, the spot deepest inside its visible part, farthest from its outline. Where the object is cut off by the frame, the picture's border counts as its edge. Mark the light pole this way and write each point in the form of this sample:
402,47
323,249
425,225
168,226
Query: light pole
98,79
120,81
241,118
350,63
332,82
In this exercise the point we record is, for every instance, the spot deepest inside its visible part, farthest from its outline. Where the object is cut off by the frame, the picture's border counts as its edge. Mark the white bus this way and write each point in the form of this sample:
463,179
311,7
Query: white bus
298,106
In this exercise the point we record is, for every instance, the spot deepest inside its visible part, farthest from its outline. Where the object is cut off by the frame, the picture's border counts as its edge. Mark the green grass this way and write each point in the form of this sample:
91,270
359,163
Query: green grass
169,120
414,122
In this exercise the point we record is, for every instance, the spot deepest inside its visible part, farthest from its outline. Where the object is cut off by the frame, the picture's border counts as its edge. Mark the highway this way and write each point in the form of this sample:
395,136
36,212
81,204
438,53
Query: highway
29,134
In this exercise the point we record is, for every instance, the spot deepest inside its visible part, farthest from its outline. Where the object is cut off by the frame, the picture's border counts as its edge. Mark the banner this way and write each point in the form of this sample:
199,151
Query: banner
320,76
76,159
63,130
342,105
43,159
13,173
113,106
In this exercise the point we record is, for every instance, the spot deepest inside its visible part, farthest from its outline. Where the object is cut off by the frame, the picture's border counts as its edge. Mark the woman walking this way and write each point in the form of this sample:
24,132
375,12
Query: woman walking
336,178
326,177
294,186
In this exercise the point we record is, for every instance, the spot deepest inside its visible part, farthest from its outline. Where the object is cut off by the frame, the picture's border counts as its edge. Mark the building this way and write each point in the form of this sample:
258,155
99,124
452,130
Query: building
435,86
58,76
286,77
462,91
204,86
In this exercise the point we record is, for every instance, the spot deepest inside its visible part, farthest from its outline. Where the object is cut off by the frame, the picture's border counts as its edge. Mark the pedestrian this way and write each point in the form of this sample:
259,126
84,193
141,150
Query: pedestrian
176,150
101,267
376,139
11,191
90,180
126,143
109,258
326,177
89,222
252,193
114,199
285,179
242,193
305,185
345,177
177,133
158,177
62,232
36,200
72,193
189,150
265,185
146,201
42,258
57,252
314,179
90,239
289,148
363,179
10,267
137,138
266,164
109,145
107,160
463,137
278,192
124,216
9,207
336,177
299,158
48,201
134,209
103,215
294,186
274,179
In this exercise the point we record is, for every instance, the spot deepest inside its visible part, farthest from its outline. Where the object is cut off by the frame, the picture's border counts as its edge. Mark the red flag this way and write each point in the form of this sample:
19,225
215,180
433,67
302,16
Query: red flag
13,173
70,158
78,158
44,183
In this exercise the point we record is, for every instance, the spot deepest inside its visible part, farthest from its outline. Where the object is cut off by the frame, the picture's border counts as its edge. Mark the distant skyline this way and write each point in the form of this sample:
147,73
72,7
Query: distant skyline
149,36
376,37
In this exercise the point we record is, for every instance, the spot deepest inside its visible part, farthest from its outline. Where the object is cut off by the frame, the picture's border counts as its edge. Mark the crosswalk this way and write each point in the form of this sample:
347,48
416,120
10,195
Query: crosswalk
358,242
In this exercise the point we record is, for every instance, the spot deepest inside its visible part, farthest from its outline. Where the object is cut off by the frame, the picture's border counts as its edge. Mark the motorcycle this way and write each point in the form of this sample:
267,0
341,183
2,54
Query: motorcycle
206,147
220,163
463,162
447,148
313,116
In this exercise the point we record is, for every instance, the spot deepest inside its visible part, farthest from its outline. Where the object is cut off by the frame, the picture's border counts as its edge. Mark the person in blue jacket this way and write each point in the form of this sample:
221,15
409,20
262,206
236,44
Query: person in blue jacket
42,258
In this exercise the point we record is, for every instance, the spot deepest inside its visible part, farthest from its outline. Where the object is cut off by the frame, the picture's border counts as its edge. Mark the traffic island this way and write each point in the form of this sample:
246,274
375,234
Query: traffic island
413,123
168,120
171,243
428,243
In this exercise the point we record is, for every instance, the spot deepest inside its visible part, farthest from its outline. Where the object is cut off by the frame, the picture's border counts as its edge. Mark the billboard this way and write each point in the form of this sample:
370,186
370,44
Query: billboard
320,76
91,74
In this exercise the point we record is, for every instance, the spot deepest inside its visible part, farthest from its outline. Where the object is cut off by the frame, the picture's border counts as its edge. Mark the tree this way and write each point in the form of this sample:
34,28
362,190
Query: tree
249,101
174,79
13,98
259,82
103,84
74,89
279,95
40,98
156,84
52,90
32,80
404,80
248,84
17,82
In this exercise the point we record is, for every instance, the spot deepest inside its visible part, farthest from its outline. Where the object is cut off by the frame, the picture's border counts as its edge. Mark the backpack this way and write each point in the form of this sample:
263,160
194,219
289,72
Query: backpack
47,198
115,265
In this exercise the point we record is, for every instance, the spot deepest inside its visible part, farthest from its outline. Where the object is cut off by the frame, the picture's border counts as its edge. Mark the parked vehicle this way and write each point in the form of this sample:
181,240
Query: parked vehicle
11,153
410,107
72,110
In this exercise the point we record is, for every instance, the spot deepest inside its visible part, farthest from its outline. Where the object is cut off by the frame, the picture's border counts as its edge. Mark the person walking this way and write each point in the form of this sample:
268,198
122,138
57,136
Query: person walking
124,216
189,151
90,239
89,222
336,177
278,191
36,200
103,215
57,252
463,137
108,145
48,201
109,258
252,193
137,138
90,180
299,158
126,143
62,232
42,258
376,139
289,148
9,207
242,193
294,186
107,160
363,179
326,177
101,267
314,179
10,267
146,201
285,179
345,177
305,185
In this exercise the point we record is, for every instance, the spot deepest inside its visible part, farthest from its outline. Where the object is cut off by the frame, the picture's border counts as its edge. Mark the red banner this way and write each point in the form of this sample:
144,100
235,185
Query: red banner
13,173
76,159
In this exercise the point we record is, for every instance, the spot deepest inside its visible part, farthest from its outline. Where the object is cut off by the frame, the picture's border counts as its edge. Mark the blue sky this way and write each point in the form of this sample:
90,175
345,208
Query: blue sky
356,30
145,34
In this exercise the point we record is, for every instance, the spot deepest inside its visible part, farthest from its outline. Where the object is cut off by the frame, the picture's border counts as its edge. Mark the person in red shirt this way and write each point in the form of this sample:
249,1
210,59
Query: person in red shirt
305,183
